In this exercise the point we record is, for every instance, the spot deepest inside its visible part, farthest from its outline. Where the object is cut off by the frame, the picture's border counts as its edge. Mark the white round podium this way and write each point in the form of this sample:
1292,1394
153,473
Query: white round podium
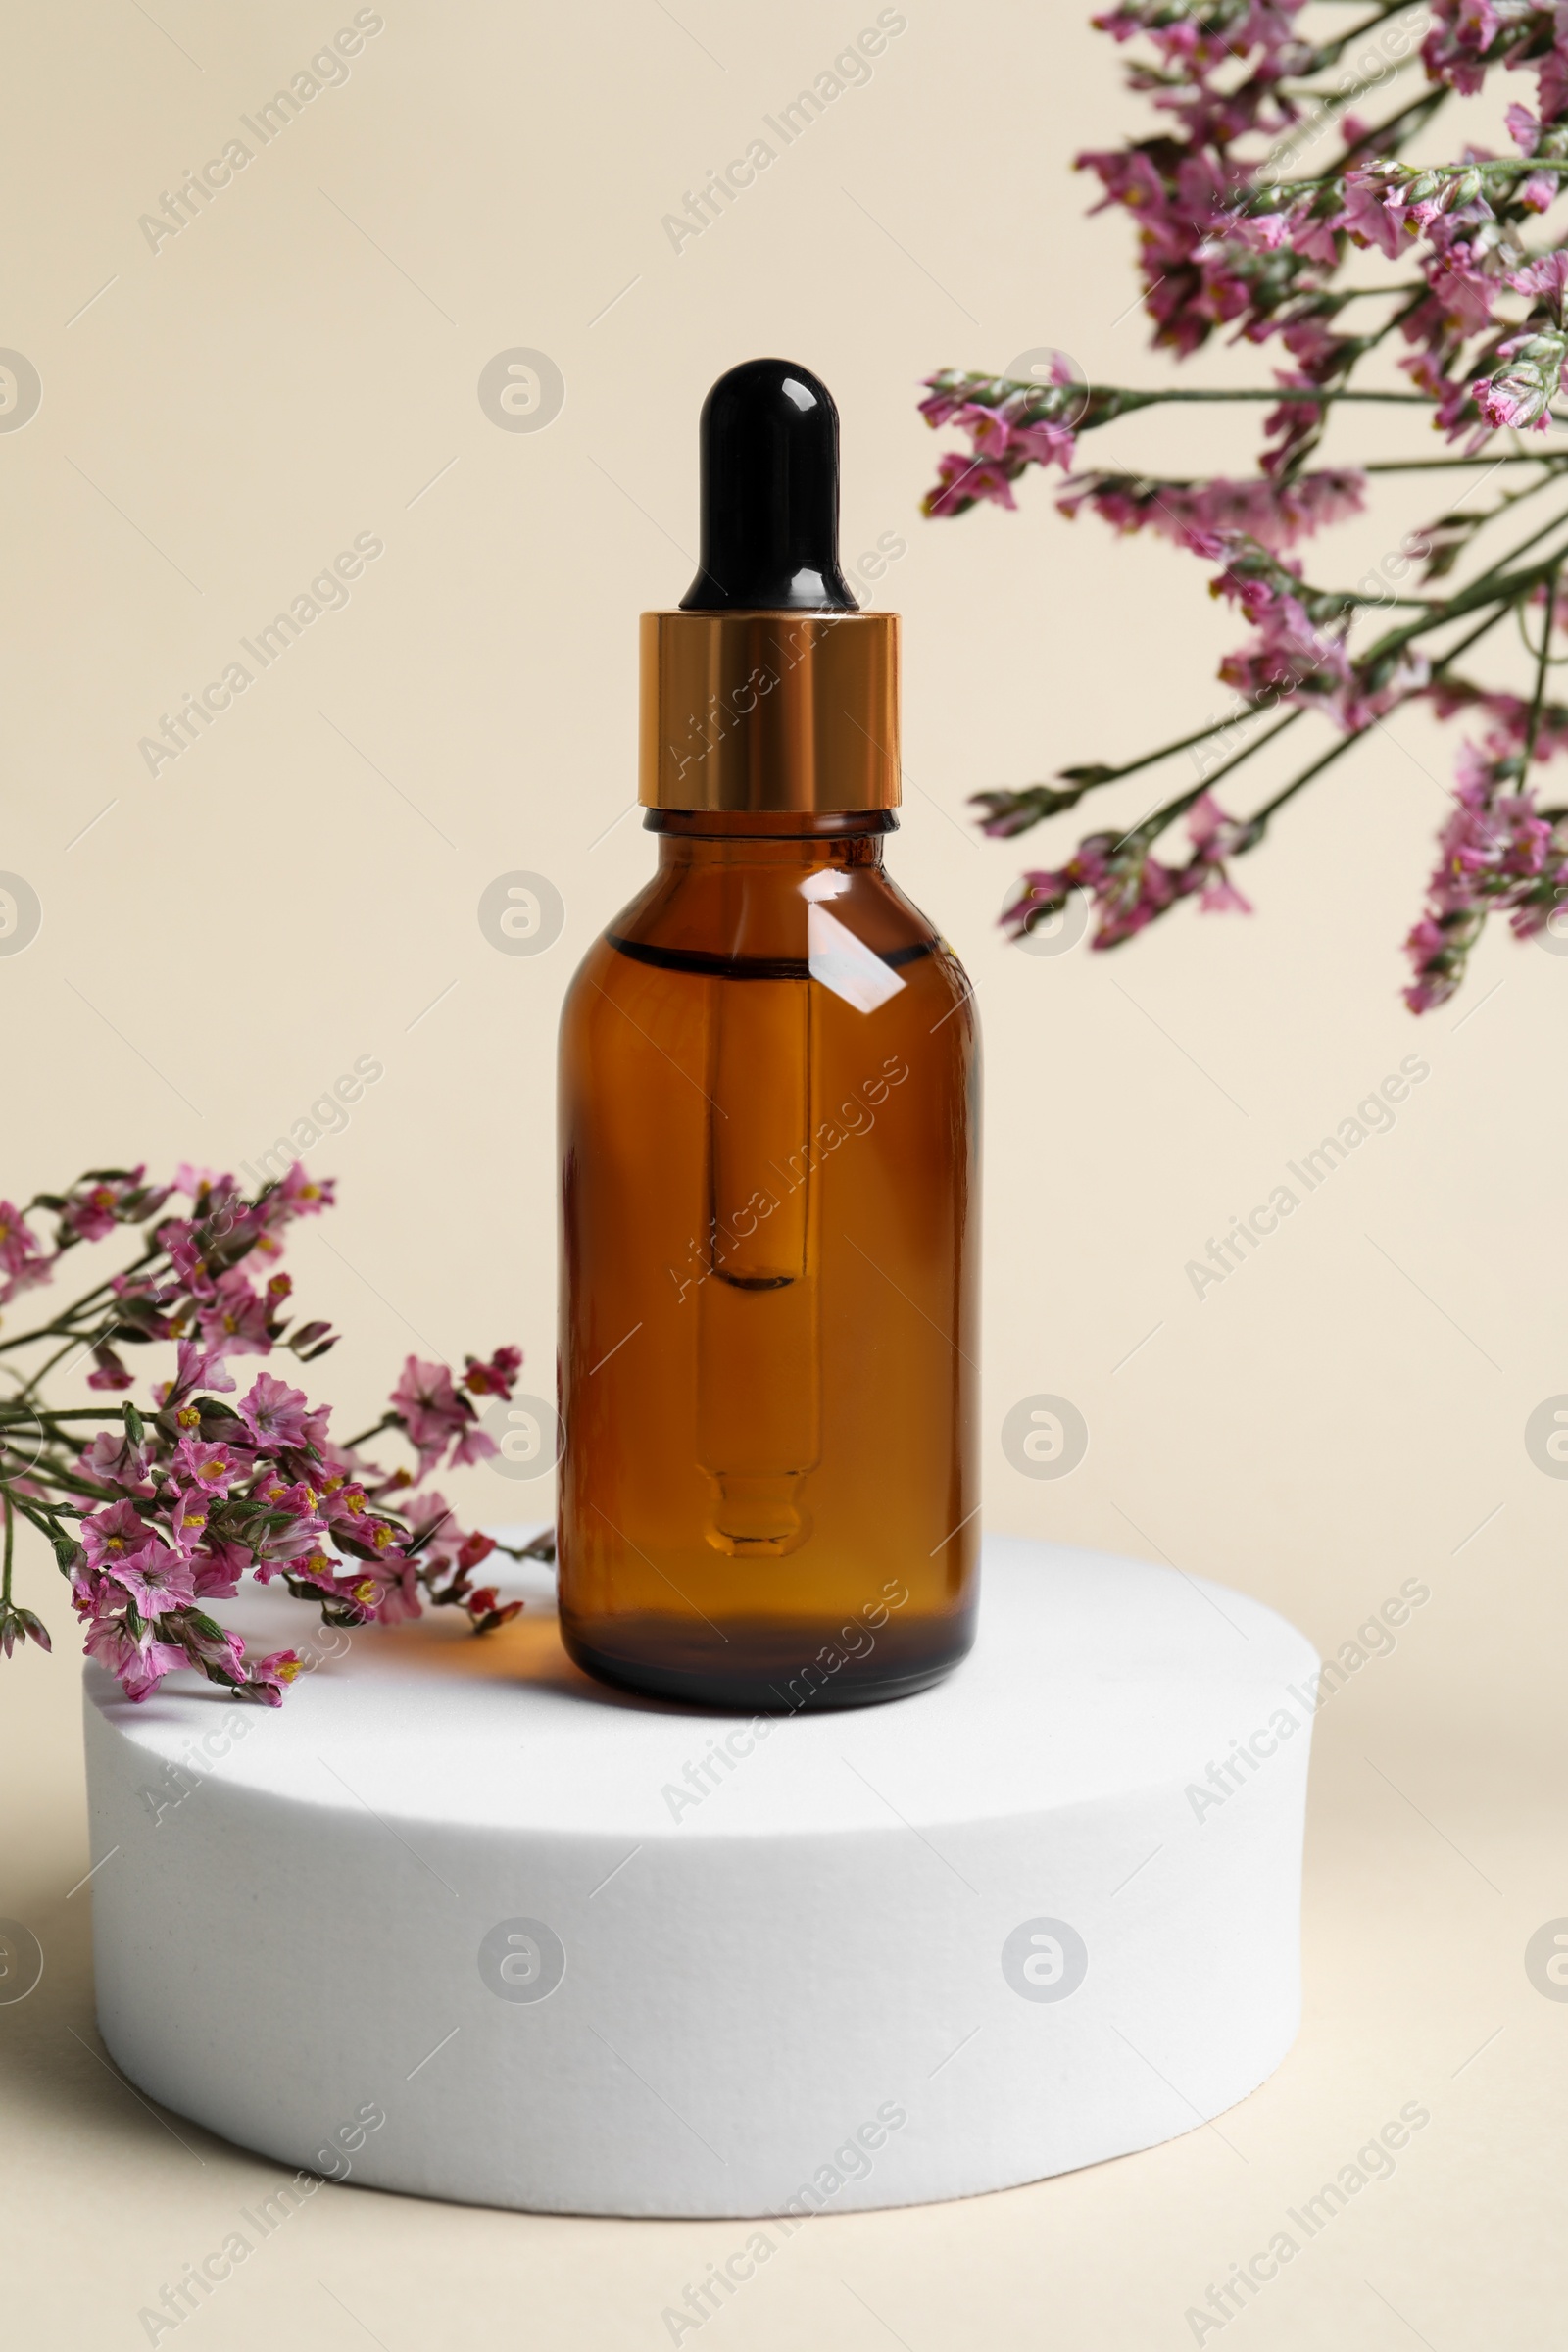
457,1921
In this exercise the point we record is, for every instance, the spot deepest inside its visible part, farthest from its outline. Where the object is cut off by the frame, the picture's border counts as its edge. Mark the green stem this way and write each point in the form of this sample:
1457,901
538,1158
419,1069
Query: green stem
1333,51
55,1476
1555,464
1465,643
1499,587
1162,818
57,1412
68,1315
1157,823
77,1339
1503,589
1261,816
1541,668
1381,136
387,1421
1319,395
5,1588
1249,708
1525,457
1505,166
38,1520
1335,751
86,1341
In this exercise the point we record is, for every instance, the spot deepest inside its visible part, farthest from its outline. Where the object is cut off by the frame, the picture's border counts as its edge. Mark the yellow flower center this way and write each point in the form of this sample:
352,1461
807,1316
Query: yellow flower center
364,1589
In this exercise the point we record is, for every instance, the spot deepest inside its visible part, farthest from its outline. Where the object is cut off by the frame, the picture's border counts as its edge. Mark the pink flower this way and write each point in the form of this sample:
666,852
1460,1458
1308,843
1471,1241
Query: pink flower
17,1243
1214,838
1521,392
390,1590
1451,51
497,1378
298,1196
219,1653
140,1661
448,1546
216,1569
962,481
210,1469
276,1414
1523,128
142,1305
195,1369
108,1370
474,1444
235,1320
294,1549
90,1212
1375,211
196,1181
21,1262
186,1516
182,1241
428,1404
111,1460
434,1415
433,1513
156,1579
116,1533
1545,276
270,1675
448,1556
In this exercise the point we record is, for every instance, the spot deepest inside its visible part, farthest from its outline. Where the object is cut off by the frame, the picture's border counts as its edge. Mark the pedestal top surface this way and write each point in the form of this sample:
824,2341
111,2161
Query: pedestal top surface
1091,1675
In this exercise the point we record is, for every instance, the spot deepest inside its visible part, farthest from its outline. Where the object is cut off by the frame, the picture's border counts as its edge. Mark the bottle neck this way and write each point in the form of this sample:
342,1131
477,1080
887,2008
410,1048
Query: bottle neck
785,838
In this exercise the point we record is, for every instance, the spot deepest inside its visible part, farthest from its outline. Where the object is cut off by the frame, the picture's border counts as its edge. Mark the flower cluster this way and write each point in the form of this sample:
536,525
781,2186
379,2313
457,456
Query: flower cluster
1475,309
1499,853
1209,517
1010,428
1295,658
1129,886
168,1507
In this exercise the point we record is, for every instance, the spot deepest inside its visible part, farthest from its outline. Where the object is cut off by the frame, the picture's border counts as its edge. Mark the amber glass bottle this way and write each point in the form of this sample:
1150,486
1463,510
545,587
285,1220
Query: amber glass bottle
769,1079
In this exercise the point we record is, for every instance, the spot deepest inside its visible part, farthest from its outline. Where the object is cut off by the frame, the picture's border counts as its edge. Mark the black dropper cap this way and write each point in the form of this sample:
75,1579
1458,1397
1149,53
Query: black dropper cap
771,495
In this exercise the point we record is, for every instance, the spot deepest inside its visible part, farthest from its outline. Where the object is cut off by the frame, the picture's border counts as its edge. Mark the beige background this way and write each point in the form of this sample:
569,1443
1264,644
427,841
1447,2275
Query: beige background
300,889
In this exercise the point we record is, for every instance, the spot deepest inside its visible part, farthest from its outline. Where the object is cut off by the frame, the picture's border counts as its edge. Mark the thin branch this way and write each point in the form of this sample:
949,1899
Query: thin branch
1332,51
1525,457
1541,668
1260,816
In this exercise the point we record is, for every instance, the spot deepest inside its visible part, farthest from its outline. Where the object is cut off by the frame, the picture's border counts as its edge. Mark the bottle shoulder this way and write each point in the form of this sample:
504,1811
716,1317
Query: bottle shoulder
741,911
746,923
